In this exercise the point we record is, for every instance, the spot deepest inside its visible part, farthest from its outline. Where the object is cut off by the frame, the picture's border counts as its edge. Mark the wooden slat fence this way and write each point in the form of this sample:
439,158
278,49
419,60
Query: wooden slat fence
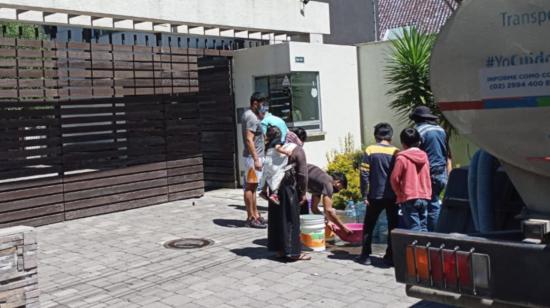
217,115
32,202
87,129
47,70
107,155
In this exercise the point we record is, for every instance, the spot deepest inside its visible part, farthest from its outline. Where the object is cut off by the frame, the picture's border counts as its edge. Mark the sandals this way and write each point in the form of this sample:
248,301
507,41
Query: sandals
301,257
283,257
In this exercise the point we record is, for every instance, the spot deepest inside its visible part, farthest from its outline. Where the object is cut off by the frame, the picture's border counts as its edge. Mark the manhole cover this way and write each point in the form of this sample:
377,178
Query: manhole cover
188,243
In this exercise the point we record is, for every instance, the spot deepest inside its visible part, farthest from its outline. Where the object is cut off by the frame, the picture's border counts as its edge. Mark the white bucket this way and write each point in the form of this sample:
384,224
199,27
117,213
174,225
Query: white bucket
313,231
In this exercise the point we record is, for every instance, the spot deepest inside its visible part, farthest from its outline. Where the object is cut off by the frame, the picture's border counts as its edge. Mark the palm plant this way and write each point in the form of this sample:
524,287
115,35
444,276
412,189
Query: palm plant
408,73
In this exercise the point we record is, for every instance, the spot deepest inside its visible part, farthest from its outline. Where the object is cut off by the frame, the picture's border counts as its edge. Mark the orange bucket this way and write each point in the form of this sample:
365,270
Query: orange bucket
329,234
313,231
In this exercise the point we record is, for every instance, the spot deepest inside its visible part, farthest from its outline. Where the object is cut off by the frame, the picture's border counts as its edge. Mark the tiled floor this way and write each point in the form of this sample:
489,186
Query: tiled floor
118,260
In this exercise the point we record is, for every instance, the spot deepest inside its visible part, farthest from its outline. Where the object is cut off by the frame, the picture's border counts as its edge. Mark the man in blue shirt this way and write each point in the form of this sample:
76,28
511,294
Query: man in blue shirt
436,145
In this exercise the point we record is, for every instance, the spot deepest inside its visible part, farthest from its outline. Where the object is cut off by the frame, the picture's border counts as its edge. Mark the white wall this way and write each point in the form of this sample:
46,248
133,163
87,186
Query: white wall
248,63
339,88
279,15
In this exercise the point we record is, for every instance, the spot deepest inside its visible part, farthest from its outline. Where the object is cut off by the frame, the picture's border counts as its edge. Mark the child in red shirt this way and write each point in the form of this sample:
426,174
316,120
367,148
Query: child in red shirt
410,180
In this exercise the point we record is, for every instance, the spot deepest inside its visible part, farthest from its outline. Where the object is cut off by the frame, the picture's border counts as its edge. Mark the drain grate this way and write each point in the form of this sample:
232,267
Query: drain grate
188,243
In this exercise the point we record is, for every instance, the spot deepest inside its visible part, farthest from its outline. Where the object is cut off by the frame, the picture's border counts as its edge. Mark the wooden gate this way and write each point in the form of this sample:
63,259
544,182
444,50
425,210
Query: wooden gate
217,110
88,128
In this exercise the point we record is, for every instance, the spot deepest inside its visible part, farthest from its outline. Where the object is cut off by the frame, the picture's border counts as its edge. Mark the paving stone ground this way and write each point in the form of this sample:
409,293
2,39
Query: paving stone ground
118,260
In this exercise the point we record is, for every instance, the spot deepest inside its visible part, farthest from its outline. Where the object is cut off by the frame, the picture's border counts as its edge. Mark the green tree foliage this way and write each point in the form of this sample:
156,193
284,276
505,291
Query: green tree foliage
22,30
347,161
408,73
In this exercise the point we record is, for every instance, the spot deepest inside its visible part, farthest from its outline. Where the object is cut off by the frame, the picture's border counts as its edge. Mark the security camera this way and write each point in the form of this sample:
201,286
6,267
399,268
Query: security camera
305,1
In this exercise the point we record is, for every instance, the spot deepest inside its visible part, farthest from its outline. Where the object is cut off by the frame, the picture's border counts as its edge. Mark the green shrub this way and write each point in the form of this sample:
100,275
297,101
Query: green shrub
23,31
347,161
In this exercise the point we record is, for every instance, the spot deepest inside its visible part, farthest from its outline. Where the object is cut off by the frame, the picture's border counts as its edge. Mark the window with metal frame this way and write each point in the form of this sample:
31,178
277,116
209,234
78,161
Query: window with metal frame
294,97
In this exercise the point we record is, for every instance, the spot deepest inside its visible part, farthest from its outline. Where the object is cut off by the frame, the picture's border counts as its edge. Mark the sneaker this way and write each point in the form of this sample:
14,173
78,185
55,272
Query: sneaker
363,260
275,199
262,220
254,223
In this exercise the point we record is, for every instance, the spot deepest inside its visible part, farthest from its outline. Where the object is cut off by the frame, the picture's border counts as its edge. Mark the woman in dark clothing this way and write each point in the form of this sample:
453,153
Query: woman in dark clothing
283,233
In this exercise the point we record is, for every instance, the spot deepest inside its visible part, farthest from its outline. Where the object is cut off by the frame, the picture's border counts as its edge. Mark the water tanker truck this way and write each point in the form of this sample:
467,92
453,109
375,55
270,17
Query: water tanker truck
490,74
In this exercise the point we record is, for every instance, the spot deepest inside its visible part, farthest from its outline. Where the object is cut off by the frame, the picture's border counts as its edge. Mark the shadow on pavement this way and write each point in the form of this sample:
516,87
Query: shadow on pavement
257,253
379,262
260,242
341,253
427,304
243,208
229,223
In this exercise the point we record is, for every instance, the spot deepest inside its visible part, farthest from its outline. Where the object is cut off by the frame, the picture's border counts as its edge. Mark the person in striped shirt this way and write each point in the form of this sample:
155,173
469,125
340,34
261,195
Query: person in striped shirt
378,161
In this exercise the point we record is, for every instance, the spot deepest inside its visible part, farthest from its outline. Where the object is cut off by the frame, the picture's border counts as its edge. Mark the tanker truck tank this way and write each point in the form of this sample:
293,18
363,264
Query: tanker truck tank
490,74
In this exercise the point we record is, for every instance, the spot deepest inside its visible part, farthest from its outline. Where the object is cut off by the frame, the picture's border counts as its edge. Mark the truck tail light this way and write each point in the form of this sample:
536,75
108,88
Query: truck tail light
454,270
464,263
411,268
436,266
422,268
449,268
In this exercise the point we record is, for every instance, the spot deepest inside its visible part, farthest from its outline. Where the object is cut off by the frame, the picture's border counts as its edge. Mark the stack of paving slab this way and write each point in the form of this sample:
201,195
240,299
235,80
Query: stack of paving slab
18,268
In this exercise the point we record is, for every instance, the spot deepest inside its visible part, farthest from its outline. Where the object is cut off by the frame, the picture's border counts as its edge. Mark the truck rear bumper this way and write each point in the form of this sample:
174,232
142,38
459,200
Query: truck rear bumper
517,272
455,299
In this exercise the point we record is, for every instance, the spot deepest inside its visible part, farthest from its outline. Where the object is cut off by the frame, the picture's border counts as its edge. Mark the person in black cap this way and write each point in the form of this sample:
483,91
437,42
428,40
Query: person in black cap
436,145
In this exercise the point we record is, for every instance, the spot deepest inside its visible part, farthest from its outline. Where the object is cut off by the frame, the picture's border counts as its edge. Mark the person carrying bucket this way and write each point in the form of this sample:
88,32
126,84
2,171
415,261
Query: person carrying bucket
378,161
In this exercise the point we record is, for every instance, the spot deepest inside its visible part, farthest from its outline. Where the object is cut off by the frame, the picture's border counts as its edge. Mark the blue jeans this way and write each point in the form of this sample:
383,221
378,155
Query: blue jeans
439,181
414,214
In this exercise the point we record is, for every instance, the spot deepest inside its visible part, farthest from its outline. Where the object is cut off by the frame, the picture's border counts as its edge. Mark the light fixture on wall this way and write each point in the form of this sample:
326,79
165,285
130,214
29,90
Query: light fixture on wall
303,8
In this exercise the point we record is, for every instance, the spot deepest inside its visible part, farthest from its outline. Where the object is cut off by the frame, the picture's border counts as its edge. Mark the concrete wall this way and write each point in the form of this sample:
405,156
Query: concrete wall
337,67
280,15
339,89
375,100
351,22
18,268
248,63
